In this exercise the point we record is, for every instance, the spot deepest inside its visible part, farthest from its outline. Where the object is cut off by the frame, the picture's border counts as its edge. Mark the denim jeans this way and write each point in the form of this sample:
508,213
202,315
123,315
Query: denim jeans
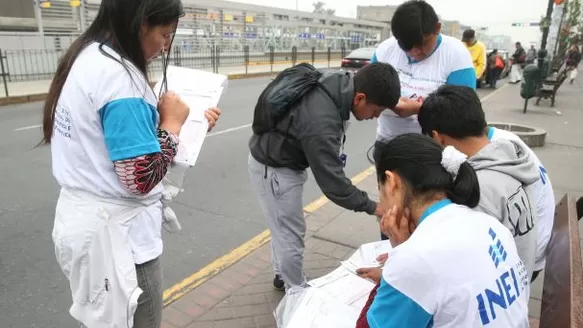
149,311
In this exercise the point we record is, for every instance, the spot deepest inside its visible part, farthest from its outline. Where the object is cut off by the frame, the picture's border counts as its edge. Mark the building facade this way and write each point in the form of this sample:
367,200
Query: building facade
207,23
385,13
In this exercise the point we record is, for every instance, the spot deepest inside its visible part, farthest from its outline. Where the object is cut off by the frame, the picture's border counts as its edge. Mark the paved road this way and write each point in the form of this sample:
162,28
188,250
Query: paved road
218,210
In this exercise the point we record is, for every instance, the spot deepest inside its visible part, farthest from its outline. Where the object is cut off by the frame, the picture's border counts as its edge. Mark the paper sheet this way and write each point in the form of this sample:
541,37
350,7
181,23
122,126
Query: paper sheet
344,286
318,310
369,252
366,255
200,90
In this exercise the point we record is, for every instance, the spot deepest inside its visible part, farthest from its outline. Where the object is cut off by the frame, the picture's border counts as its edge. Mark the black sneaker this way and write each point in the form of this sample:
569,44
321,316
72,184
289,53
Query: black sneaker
278,283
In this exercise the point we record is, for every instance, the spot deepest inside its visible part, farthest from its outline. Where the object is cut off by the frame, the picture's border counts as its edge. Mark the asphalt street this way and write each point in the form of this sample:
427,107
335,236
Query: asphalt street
218,209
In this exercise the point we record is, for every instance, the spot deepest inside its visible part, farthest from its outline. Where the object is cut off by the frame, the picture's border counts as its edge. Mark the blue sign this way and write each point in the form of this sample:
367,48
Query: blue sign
229,34
304,35
320,36
356,38
251,35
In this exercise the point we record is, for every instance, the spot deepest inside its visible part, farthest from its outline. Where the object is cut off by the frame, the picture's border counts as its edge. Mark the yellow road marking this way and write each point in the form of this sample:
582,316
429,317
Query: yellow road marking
180,289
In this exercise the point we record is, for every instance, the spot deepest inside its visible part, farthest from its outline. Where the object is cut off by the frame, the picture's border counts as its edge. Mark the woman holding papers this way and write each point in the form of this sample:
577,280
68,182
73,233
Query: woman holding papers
112,142
450,266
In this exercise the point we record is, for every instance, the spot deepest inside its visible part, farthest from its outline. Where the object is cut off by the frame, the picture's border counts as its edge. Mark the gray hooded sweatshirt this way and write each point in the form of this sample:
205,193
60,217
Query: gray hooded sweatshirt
506,173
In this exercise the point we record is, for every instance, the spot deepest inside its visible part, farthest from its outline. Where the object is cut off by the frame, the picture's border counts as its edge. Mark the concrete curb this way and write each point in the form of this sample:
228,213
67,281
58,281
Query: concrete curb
532,136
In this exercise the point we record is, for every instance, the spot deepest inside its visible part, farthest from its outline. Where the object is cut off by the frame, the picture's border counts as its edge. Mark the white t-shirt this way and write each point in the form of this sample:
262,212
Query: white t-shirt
460,268
105,114
450,63
545,198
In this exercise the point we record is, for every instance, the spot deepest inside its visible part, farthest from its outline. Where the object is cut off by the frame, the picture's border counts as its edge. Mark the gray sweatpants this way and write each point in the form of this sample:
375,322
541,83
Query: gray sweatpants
280,198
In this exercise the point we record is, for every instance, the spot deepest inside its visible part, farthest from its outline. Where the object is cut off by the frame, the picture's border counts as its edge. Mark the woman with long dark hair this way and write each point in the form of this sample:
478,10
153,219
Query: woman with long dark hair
450,266
112,143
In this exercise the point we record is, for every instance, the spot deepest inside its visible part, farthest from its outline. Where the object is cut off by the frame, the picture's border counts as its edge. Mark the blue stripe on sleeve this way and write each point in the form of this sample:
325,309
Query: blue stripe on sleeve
374,58
464,77
129,126
391,308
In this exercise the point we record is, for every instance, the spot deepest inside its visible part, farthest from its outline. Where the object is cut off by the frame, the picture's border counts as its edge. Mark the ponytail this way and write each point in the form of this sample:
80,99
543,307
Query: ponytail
465,189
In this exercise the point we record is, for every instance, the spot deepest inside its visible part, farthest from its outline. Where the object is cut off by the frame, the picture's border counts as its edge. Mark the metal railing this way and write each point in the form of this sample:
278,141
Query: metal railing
32,65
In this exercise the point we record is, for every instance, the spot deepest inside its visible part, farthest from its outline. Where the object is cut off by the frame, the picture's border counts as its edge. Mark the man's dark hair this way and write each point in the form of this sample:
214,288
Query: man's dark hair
380,83
411,21
453,110
468,34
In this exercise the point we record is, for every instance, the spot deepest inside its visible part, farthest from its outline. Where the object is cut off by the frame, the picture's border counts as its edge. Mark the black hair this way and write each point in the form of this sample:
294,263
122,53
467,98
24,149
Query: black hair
117,25
455,111
380,83
412,21
416,158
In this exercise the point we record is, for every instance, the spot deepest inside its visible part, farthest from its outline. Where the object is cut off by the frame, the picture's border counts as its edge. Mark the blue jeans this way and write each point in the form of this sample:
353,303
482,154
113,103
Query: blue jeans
149,311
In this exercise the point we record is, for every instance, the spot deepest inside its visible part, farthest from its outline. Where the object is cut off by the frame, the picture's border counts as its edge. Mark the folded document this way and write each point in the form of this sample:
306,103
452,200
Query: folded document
200,90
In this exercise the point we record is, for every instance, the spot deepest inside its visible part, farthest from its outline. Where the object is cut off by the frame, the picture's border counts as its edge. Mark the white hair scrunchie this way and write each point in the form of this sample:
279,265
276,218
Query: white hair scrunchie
452,159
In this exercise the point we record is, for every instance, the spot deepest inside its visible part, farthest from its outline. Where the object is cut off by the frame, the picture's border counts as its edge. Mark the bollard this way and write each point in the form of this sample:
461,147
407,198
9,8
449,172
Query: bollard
246,55
531,81
271,56
3,72
294,55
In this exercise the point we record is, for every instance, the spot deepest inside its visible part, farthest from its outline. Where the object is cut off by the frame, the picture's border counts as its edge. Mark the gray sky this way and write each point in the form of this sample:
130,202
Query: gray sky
498,15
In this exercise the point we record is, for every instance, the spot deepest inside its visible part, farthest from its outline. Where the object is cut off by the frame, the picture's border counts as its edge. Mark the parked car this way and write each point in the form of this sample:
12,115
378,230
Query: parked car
357,59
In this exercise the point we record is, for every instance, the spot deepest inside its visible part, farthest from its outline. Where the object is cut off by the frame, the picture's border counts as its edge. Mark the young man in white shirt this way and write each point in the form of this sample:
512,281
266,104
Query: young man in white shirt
425,59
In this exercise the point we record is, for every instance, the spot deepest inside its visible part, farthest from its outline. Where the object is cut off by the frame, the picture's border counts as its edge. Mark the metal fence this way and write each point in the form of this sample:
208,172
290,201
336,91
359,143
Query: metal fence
31,65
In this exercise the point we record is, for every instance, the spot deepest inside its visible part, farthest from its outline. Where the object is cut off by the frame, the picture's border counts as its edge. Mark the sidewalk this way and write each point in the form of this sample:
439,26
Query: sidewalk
242,296
39,87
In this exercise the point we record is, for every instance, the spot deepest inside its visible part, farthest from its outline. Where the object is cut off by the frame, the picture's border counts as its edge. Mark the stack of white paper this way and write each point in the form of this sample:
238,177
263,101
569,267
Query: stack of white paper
336,299
366,255
345,287
317,310
200,90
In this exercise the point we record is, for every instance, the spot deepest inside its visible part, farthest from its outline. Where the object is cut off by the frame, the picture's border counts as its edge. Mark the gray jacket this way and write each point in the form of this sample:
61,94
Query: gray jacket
311,135
506,173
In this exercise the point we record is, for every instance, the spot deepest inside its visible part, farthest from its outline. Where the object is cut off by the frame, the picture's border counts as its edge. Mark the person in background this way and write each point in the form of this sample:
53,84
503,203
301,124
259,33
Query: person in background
311,134
507,172
495,67
478,52
518,60
572,61
112,141
531,55
447,259
425,60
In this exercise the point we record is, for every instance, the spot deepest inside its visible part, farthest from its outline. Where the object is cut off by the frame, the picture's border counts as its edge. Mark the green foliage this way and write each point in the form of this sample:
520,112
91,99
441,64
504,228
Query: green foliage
571,23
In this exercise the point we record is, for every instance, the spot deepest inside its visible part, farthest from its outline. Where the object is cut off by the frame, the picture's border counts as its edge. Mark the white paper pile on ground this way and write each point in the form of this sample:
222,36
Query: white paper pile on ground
334,300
